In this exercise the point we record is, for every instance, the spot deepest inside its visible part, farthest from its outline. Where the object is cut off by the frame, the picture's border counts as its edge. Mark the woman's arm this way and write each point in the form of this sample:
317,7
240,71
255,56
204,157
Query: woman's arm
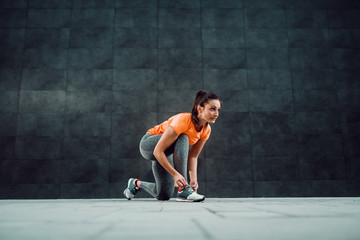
168,138
193,160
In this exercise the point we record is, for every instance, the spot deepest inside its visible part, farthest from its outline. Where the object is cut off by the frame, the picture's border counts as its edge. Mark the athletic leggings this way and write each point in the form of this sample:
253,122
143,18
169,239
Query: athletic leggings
177,154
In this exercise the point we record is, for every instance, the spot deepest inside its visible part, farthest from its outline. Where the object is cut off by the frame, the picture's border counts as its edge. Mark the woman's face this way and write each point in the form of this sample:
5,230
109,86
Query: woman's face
210,112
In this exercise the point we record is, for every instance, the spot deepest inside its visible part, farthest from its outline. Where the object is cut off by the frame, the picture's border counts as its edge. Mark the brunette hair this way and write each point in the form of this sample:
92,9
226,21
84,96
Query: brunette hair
201,98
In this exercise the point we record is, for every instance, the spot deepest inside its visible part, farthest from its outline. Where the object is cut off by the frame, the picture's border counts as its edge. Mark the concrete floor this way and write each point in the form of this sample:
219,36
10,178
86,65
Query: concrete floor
236,218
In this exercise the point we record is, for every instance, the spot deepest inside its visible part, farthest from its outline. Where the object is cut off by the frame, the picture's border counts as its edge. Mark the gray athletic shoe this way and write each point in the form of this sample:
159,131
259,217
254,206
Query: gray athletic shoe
131,189
189,195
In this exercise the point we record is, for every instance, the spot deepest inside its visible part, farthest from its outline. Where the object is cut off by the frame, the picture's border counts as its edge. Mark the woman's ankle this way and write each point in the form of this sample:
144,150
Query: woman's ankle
137,183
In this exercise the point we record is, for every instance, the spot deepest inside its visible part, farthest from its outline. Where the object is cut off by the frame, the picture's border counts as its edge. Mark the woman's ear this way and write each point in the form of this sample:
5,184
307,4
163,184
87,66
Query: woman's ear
199,108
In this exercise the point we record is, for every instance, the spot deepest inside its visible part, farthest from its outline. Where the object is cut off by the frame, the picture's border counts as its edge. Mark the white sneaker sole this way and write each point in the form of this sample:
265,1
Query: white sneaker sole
190,200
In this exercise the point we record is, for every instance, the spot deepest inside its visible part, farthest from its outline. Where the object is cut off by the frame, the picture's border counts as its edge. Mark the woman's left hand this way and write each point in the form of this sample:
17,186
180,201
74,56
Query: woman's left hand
195,184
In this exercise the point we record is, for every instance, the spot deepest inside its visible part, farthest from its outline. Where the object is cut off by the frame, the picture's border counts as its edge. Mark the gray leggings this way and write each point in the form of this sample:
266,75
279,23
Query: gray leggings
177,154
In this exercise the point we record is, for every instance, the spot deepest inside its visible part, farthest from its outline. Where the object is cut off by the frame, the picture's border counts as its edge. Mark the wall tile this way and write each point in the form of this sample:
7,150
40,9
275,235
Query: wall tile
271,100
94,79
317,122
180,58
269,79
134,101
179,38
344,38
38,147
267,58
229,169
229,188
49,18
324,188
272,122
223,38
14,4
92,17
135,79
126,146
307,4
179,18
219,79
307,18
349,100
93,4
264,4
277,188
317,58
88,124
222,4
346,58
175,79
224,58
351,141
12,38
10,79
49,4
350,122
347,79
234,101
136,18
53,58
233,123
9,101
135,37
94,37
47,37
126,58
7,147
88,101
179,3
11,57
86,147
136,4
220,145
13,18
123,169
266,38
76,190
43,79
308,38
8,124
344,18
85,171
266,145
132,123
265,18
40,124
176,101
316,79
323,168
348,4
35,191
36,171
90,58
320,145
276,169
315,100
222,18
42,101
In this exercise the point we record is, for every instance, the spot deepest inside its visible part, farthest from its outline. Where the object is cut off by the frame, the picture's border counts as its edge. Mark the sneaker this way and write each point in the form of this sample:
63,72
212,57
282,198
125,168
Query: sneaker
131,189
189,195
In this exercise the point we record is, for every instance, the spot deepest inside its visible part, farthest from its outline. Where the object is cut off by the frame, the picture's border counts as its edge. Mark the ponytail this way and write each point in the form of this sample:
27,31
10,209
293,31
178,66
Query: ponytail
201,98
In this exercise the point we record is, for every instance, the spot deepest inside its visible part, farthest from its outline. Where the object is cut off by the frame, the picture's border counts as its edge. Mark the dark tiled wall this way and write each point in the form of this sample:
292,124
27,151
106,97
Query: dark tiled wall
82,80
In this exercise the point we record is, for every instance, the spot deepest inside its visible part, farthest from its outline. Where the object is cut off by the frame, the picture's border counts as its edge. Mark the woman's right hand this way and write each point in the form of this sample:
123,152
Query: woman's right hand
180,181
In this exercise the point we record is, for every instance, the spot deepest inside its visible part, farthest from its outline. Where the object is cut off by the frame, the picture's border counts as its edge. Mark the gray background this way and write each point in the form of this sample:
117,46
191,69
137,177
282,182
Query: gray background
82,80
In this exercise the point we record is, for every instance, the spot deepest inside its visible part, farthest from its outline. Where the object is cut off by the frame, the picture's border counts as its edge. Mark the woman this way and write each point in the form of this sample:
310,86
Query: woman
167,145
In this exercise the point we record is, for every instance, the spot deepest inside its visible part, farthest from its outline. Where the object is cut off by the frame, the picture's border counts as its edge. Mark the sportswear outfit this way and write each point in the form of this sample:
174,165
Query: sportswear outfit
177,154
